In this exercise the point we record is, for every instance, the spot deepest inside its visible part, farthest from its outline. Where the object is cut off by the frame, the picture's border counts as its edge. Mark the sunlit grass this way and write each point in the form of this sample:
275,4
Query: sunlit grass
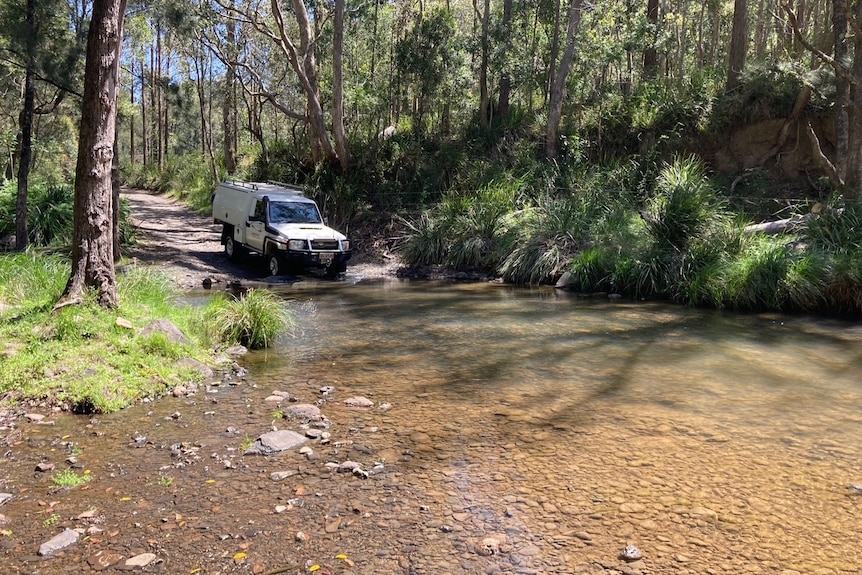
83,357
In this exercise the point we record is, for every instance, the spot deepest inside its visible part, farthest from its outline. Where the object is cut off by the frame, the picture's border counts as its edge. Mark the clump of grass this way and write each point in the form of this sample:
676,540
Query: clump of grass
70,478
254,318
246,443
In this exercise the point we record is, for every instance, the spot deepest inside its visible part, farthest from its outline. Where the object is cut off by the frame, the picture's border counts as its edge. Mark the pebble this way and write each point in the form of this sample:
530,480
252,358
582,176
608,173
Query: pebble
631,553
280,475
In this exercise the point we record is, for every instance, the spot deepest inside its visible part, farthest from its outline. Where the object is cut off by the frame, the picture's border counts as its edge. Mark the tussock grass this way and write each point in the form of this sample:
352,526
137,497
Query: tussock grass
254,318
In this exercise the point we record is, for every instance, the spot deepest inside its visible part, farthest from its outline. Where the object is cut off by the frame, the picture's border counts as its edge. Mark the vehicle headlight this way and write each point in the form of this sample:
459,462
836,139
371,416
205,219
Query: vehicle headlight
345,245
297,244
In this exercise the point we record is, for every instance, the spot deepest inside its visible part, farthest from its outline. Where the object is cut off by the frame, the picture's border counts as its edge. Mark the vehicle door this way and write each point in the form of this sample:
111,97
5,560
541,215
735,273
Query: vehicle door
256,225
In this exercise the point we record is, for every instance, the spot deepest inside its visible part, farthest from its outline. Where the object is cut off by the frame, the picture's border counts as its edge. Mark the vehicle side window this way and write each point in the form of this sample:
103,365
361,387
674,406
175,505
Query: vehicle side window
259,211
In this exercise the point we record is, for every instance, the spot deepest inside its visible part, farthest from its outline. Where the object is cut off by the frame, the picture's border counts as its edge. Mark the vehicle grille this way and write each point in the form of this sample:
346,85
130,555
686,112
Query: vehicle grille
324,244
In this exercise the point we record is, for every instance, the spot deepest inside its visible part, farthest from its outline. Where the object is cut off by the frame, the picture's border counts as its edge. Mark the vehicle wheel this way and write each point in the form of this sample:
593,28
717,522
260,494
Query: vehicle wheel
275,265
231,249
335,269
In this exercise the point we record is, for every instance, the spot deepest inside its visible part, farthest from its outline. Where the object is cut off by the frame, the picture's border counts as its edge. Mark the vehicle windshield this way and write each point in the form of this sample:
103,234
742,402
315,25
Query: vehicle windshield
293,213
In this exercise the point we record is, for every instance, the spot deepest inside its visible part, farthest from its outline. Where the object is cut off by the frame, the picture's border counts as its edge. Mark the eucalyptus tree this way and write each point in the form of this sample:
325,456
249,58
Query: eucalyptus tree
92,246
424,57
295,30
738,44
36,39
558,89
845,169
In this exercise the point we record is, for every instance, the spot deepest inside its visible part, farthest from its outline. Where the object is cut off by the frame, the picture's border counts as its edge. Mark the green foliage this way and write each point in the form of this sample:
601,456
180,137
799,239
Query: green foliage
464,230
78,356
765,92
31,280
254,318
70,478
683,205
49,212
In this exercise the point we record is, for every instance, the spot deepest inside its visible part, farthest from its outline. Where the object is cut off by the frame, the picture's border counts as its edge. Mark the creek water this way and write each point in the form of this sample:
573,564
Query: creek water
513,431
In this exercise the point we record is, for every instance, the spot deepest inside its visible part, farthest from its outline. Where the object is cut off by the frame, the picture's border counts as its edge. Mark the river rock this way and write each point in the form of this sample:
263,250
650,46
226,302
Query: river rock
236,351
59,541
631,553
358,401
141,560
101,560
194,365
166,328
304,411
275,442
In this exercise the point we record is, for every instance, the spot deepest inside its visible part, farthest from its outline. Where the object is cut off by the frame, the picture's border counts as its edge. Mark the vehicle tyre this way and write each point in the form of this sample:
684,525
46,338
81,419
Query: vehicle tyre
335,269
232,250
276,266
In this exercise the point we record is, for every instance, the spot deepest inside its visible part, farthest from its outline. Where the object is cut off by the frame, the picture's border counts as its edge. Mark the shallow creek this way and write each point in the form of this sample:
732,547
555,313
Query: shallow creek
513,431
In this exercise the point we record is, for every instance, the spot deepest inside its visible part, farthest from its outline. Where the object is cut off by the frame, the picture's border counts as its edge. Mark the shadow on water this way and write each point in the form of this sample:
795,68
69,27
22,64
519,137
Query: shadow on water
548,352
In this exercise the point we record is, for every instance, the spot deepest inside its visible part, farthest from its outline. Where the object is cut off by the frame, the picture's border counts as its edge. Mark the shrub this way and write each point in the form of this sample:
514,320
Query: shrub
253,319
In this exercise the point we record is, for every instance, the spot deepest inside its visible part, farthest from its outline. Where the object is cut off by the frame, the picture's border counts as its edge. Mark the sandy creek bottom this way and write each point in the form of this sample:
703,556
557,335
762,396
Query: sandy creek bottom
526,431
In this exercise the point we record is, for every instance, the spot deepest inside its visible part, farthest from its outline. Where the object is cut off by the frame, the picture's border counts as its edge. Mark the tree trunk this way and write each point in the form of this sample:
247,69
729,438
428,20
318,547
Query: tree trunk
145,134
738,44
25,149
555,49
853,179
650,54
484,18
115,193
92,248
558,90
302,60
505,78
338,134
229,123
132,118
842,86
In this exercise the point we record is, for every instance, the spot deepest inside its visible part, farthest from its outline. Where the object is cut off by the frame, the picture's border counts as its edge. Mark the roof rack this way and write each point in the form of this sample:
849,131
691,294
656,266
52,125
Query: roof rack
243,184
294,187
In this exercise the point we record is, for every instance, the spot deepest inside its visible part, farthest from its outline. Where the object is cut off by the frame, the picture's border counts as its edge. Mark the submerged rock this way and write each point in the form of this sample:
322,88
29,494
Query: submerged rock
359,401
275,442
304,411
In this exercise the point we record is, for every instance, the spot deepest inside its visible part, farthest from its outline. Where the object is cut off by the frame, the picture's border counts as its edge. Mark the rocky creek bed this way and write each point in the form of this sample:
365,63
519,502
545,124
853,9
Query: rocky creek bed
396,471
374,487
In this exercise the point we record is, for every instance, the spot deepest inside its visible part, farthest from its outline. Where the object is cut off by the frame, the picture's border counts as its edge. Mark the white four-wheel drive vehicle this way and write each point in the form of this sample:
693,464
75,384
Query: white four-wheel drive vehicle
276,221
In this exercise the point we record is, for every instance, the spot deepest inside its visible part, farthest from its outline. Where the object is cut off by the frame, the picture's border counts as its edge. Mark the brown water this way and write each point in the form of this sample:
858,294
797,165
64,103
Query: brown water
548,429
